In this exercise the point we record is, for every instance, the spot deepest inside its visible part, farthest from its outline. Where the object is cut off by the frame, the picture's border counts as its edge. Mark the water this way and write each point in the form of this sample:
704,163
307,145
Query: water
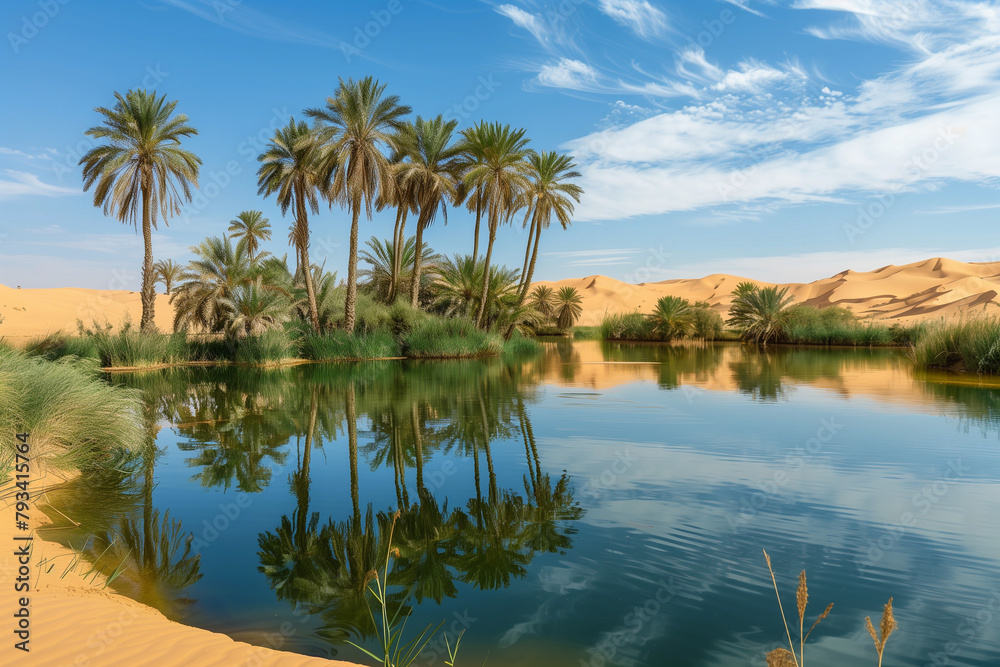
597,505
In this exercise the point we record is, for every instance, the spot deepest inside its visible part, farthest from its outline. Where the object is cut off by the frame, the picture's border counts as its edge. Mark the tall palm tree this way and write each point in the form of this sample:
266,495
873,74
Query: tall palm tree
403,198
167,272
356,126
432,166
549,194
500,175
142,166
291,171
254,227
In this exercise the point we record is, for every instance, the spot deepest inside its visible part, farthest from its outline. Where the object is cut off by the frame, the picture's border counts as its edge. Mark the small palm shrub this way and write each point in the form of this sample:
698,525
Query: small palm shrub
672,318
569,307
759,312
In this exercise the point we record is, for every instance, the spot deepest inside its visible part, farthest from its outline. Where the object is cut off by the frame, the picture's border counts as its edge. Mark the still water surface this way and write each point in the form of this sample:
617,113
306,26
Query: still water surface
599,504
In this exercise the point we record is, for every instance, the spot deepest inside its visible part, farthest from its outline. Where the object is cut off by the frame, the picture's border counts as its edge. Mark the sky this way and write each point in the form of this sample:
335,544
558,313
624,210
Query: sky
783,140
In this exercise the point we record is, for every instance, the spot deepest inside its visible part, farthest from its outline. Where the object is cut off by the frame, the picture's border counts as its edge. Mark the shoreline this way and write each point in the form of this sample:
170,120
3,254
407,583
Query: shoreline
74,622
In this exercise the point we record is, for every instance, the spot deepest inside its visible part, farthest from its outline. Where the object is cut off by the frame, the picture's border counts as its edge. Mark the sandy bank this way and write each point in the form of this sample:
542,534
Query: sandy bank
76,623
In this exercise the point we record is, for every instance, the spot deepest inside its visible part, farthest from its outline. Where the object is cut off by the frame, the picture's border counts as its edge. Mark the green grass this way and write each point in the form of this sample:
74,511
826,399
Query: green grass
338,345
586,333
75,419
59,345
971,344
520,345
436,338
627,326
130,348
267,348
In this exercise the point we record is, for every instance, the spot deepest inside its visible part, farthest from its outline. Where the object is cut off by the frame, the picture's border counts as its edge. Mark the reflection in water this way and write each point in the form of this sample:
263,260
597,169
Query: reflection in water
483,461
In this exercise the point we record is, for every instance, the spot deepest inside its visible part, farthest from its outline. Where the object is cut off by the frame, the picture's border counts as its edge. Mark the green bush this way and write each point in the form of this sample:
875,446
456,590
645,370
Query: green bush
337,345
972,344
75,419
706,323
438,338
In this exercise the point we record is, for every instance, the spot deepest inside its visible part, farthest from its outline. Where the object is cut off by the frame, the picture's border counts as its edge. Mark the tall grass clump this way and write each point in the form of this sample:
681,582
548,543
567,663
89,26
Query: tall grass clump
132,348
788,657
340,345
75,419
971,344
626,326
437,338
58,345
520,345
266,348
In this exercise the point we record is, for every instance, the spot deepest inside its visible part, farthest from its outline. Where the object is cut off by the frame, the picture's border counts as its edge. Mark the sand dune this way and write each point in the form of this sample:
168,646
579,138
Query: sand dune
933,288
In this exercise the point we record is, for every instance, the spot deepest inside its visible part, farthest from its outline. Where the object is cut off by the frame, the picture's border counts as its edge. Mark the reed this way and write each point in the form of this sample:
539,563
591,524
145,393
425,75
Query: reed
340,345
450,339
786,657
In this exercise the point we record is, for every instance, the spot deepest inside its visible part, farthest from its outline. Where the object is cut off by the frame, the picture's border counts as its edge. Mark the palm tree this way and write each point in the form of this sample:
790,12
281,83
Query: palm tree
432,167
254,227
672,318
404,199
210,280
380,258
167,272
141,166
543,299
355,127
499,174
549,194
759,312
290,170
569,306
253,309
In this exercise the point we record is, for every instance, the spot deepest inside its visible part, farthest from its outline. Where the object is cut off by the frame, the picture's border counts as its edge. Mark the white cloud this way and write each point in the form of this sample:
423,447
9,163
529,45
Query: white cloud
526,20
21,183
639,15
759,136
568,73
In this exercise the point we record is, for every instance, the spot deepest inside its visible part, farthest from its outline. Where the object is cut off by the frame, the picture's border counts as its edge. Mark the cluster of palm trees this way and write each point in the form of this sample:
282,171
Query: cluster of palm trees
360,152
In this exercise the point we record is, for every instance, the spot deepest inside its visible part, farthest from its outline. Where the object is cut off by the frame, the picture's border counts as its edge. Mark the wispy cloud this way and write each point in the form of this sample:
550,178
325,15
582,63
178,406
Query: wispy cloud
524,19
255,23
24,184
640,16
568,73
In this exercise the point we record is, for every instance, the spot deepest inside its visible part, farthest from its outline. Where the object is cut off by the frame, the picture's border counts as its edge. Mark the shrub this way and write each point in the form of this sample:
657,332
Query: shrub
671,318
706,323
337,345
521,345
450,338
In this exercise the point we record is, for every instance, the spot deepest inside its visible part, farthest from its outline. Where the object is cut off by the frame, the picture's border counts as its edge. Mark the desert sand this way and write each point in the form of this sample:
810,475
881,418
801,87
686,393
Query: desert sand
75,622
930,289
933,288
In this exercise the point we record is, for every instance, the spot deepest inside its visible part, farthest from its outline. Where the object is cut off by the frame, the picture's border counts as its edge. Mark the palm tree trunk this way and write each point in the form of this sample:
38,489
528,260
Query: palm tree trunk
486,269
531,267
352,269
415,278
148,322
418,441
527,249
352,444
397,253
479,215
303,490
302,235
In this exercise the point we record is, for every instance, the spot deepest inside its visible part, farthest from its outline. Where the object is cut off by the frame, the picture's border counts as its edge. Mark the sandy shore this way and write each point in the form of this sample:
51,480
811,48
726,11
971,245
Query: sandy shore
76,623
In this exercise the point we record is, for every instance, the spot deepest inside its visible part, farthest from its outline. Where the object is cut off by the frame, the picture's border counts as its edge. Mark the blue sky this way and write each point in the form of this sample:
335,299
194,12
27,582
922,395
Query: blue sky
781,140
